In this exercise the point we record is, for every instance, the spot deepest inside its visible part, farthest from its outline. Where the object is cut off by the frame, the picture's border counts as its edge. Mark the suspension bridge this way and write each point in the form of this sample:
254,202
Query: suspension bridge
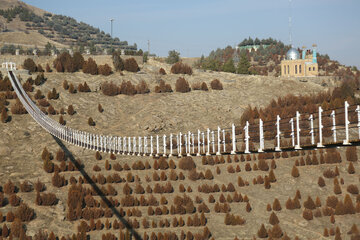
336,127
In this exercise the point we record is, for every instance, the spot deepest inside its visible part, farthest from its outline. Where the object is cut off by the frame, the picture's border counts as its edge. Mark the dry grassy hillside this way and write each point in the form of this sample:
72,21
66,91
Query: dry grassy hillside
22,158
27,40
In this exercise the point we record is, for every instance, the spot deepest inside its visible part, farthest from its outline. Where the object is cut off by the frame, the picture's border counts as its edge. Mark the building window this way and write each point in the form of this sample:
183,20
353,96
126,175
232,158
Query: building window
295,69
313,68
309,69
288,69
299,68
284,69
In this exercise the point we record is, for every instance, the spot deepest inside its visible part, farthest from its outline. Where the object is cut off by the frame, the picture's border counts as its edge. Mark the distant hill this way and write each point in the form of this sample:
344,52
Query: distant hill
60,31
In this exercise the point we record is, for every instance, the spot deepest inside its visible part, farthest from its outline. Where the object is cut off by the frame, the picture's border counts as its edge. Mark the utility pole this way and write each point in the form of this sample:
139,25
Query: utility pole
111,21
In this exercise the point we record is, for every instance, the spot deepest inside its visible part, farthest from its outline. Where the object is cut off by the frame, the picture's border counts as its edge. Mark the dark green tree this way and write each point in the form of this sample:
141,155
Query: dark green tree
173,57
117,61
229,66
244,64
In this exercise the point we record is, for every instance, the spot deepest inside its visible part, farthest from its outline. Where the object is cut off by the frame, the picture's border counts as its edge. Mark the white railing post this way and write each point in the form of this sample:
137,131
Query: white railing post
311,118
105,143
177,144
97,142
199,143
203,141
346,141
134,146
145,145
151,146
171,145
208,142
292,134
278,133
224,142
320,143
189,143
164,142
218,141
233,139
129,145
213,141
101,143
140,146
91,142
298,130
157,146
119,145
193,142
180,145
124,146
247,137
186,144
332,115
110,145
358,115
261,136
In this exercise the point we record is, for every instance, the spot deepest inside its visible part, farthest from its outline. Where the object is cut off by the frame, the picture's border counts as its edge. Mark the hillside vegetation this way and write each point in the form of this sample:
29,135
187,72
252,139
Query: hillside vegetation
58,28
263,61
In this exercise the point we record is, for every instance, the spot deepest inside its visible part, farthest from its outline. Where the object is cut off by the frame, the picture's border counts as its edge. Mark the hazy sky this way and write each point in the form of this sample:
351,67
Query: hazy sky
195,27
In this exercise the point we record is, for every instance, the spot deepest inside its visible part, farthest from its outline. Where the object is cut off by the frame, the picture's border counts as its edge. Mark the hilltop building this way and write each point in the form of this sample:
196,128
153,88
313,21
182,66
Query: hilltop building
294,66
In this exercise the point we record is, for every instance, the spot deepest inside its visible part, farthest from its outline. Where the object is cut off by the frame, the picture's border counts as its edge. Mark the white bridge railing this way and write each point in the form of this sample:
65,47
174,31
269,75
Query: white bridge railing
219,141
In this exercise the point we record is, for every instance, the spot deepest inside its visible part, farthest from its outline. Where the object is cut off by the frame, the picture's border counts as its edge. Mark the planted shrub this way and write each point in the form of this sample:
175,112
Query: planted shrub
100,108
353,189
351,154
24,213
295,172
131,65
276,205
142,87
321,182
262,233
309,204
30,65
84,87
216,85
18,108
61,120
162,87
182,85
25,186
351,169
14,200
181,68
91,122
53,94
307,214
162,71
72,88
104,69
57,180
4,116
90,67
9,187
204,86
39,186
187,163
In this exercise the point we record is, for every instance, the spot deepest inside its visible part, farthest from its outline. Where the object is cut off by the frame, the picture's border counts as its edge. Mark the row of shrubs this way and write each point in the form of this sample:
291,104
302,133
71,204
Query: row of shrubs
181,85
126,87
